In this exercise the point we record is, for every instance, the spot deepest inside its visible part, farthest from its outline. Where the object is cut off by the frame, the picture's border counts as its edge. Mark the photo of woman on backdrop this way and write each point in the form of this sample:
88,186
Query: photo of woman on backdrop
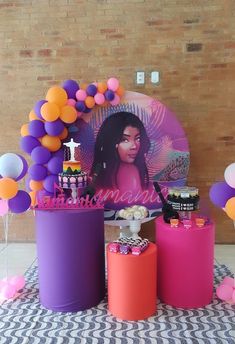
120,150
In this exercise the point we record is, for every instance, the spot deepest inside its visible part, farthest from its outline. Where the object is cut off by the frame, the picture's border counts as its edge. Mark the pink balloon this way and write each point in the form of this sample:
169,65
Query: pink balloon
2,284
71,102
113,84
229,175
224,292
18,281
81,95
3,207
99,98
229,281
8,291
233,296
115,100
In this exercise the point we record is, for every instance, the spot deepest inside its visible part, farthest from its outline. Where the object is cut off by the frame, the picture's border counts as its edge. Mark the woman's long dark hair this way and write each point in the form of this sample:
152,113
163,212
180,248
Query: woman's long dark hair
106,158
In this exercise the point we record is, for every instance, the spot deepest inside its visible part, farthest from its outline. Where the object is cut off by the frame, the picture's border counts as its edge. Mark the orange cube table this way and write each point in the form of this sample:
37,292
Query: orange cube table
132,284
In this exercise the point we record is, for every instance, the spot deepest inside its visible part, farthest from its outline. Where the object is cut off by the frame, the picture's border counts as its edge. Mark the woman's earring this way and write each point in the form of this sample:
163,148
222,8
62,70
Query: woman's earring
116,146
101,148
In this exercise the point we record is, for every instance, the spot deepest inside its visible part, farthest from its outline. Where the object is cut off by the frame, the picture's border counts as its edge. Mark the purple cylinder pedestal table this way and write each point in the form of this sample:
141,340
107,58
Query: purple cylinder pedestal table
70,247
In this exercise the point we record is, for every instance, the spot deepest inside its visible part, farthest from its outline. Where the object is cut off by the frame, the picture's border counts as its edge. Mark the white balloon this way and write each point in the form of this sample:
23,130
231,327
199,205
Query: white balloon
11,165
229,175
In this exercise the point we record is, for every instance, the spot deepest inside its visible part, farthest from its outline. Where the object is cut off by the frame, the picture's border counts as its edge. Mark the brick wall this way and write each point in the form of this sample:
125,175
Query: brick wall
43,42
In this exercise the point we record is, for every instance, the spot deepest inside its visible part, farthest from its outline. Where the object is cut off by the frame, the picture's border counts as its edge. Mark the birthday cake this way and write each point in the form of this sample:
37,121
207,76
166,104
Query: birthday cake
183,198
72,175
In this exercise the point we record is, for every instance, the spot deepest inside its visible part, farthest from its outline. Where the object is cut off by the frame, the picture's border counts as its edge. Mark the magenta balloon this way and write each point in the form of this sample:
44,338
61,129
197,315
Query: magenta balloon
220,193
38,172
37,108
49,182
55,165
25,168
28,143
36,128
20,203
54,128
40,155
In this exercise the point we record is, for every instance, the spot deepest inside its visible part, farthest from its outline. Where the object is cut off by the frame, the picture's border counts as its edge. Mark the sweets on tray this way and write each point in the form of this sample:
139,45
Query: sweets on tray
129,245
183,198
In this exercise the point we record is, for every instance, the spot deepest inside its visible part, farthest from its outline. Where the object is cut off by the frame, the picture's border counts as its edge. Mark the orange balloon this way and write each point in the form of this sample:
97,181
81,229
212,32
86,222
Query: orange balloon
50,111
120,91
102,87
57,95
33,196
83,86
64,134
8,188
90,102
230,208
24,131
68,114
32,115
52,143
36,185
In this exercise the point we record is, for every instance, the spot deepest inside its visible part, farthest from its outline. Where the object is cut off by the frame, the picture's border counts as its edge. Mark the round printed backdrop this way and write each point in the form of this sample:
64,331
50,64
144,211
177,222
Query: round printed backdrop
166,159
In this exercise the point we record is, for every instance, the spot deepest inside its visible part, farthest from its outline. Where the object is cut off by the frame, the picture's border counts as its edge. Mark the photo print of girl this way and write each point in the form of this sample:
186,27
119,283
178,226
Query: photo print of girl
125,148
120,149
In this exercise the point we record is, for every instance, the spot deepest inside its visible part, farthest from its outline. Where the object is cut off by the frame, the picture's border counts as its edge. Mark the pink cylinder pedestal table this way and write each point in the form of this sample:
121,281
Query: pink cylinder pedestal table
185,264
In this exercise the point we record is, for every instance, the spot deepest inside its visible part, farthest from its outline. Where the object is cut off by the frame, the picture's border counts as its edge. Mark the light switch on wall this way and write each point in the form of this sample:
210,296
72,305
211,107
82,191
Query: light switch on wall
155,77
140,78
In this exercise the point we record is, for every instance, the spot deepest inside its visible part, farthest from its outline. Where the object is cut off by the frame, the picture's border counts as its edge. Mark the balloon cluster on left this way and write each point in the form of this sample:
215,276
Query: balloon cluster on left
48,126
222,194
13,168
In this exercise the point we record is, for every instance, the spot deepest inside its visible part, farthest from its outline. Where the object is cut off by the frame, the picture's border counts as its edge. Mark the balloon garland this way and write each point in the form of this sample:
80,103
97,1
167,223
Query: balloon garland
49,122
222,194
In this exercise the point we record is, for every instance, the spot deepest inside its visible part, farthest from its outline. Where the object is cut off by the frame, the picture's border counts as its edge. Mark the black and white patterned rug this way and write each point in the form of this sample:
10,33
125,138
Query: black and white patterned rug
26,321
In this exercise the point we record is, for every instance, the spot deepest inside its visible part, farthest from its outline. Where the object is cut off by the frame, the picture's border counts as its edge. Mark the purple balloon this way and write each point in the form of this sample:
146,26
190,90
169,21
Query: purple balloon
20,203
37,108
87,110
43,193
59,154
55,165
38,172
28,143
109,95
40,155
71,87
54,128
49,182
80,106
220,193
24,170
91,90
36,128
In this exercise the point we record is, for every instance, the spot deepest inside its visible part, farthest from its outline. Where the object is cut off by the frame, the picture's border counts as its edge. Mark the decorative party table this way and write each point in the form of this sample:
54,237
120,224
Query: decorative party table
70,247
185,264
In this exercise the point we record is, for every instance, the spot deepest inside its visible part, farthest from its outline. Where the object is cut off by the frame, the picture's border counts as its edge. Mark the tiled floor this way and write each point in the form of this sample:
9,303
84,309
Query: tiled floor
22,256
